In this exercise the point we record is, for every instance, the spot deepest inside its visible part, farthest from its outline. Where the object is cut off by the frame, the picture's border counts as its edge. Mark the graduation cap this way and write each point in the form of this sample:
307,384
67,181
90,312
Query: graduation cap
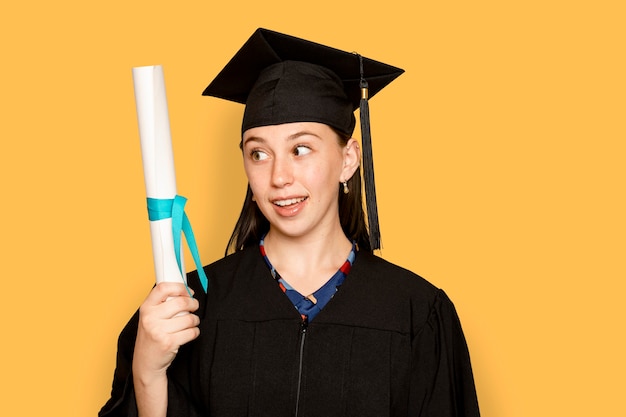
284,79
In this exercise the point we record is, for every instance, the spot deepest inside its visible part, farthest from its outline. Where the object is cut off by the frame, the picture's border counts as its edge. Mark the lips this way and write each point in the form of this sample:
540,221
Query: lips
288,201
289,207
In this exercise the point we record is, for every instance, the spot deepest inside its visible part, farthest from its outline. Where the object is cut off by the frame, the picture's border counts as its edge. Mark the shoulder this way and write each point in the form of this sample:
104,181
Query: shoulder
379,272
224,273
244,258
230,264
396,288
380,294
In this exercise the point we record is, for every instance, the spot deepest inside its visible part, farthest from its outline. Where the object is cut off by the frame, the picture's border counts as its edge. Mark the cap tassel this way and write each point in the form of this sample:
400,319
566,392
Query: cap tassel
368,164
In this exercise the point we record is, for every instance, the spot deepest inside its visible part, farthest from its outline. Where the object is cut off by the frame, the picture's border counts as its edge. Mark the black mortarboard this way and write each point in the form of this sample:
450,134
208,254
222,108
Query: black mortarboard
284,79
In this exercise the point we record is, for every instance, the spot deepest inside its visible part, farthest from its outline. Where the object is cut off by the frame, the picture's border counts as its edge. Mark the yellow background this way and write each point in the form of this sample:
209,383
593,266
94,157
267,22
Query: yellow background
499,164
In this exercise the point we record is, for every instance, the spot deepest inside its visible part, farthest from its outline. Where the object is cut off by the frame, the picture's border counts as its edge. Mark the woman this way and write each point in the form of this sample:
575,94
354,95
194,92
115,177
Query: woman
366,337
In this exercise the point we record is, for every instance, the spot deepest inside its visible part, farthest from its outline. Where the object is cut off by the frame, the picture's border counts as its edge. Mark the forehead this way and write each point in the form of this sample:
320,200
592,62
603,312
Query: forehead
289,131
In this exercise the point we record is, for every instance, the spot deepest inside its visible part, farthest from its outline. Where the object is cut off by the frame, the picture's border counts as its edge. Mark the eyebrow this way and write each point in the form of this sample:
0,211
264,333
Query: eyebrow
291,137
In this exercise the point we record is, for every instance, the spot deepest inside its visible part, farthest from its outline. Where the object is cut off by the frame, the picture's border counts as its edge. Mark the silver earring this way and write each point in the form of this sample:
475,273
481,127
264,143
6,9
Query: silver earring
345,187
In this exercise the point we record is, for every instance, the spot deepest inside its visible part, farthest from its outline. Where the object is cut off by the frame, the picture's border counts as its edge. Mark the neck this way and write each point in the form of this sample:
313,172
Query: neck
309,246
307,262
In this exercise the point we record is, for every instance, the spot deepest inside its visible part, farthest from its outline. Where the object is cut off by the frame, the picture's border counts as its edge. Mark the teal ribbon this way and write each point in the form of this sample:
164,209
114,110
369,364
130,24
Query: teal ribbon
159,209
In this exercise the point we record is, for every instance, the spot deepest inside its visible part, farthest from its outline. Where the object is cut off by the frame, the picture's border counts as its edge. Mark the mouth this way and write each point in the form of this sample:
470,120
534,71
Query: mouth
289,201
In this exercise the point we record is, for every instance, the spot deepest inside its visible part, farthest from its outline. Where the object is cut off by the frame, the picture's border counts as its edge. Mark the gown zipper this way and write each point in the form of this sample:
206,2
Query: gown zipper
303,328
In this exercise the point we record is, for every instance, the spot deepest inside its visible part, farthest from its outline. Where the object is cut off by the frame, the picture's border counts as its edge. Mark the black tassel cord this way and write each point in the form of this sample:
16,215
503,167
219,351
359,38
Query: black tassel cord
368,164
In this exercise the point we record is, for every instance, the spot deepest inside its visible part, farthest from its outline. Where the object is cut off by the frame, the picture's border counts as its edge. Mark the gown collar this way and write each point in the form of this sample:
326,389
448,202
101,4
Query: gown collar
310,305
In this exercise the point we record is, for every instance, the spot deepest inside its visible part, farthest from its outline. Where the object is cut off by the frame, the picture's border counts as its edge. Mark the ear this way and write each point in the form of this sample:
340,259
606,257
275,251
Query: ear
351,159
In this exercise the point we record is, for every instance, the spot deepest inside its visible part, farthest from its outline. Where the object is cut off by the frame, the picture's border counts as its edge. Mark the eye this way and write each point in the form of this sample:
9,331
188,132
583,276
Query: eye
257,155
301,150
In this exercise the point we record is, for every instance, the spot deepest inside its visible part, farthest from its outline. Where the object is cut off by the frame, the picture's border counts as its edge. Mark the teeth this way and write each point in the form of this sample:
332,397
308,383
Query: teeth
283,203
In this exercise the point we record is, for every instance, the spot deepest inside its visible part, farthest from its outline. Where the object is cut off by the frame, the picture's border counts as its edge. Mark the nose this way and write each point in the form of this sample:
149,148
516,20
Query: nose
282,172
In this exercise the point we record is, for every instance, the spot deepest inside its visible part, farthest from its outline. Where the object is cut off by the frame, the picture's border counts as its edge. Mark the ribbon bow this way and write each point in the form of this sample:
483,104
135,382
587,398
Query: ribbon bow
159,209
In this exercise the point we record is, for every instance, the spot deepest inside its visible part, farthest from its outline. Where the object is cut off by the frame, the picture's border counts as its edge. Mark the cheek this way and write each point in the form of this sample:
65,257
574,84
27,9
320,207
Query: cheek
254,175
255,186
322,176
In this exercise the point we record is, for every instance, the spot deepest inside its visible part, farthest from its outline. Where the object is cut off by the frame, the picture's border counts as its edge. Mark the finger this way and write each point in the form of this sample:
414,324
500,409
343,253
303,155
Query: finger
166,335
187,335
184,336
163,290
180,323
181,330
175,306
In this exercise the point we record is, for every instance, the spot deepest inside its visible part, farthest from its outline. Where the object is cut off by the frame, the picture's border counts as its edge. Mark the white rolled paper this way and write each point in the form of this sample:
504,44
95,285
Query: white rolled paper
158,164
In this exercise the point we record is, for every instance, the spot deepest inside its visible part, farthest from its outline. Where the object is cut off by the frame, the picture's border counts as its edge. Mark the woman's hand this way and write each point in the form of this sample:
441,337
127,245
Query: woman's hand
165,324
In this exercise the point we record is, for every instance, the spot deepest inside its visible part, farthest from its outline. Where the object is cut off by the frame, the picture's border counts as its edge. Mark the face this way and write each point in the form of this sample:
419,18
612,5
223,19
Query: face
294,171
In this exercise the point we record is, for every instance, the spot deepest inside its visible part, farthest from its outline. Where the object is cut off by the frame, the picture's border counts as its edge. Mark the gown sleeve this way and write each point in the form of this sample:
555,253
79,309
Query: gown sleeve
122,402
442,384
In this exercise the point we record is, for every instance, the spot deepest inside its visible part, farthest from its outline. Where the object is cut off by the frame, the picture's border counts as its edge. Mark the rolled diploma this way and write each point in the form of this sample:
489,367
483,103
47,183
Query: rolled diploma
158,165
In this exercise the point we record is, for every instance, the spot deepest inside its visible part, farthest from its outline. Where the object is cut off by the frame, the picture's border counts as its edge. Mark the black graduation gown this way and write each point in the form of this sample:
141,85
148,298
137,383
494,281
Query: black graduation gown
388,344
